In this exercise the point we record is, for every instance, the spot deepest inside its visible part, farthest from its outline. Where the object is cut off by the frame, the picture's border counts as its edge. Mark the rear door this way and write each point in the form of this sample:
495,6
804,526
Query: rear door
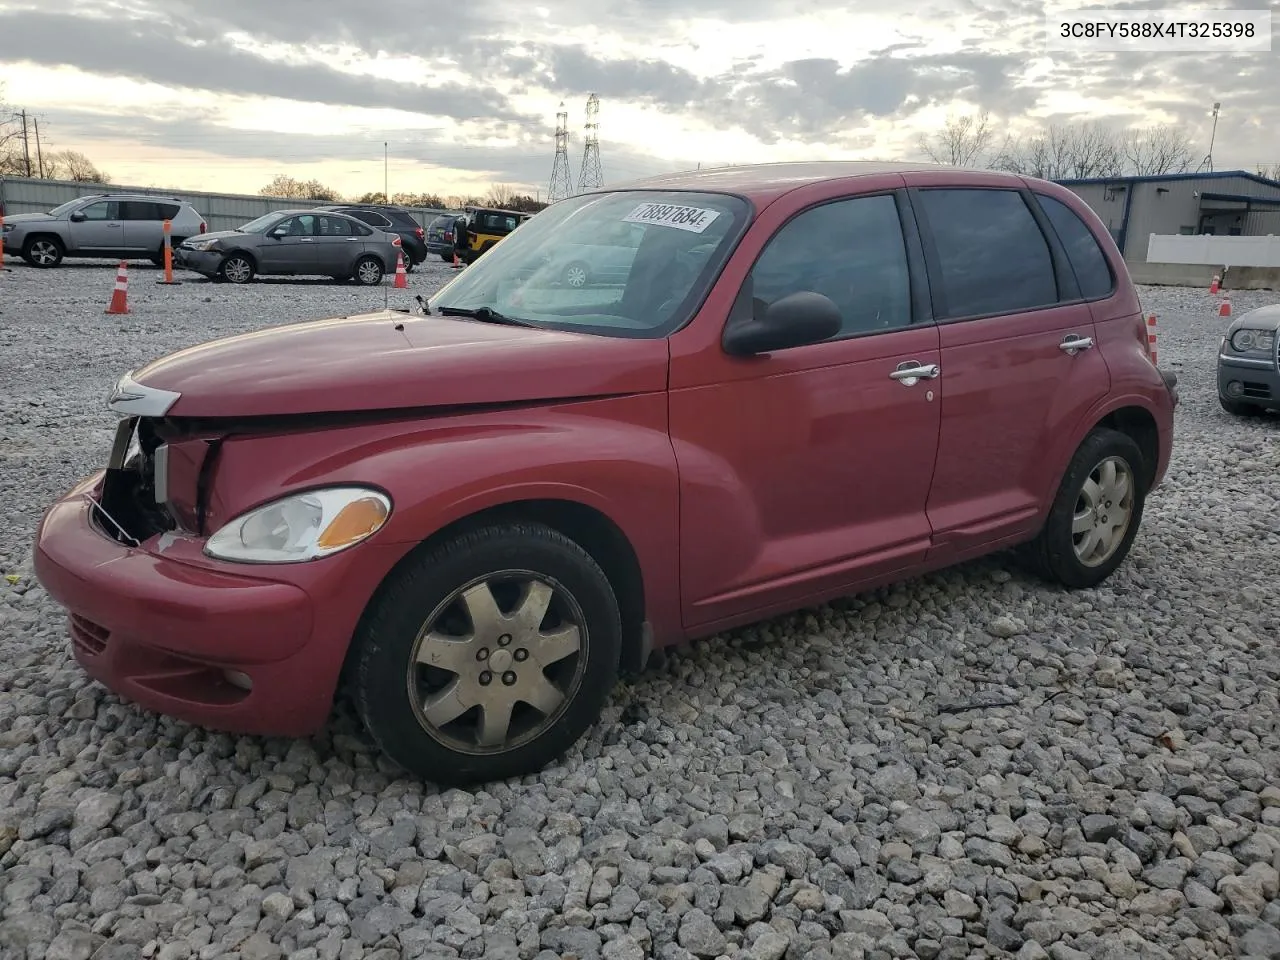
337,245
100,232
1009,311
143,226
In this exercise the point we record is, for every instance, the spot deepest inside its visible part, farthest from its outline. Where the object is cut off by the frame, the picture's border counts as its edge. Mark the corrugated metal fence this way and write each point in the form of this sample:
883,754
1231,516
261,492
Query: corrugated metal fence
222,211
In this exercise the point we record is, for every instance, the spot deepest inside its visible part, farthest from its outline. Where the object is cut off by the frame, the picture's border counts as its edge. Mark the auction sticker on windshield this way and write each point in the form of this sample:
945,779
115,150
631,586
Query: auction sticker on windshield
693,219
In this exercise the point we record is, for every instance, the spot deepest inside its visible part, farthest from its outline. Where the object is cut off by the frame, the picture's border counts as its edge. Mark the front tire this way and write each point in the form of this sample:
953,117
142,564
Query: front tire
237,268
1096,513
487,656
43,252
1238,409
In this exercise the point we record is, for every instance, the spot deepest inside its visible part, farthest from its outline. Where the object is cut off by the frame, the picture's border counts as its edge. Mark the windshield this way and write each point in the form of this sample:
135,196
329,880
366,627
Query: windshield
261,225
64,207
632,263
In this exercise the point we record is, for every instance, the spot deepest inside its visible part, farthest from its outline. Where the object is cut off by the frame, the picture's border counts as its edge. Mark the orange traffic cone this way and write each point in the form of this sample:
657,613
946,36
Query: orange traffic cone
1151,336
1225,309
120,293
402,279
1213,285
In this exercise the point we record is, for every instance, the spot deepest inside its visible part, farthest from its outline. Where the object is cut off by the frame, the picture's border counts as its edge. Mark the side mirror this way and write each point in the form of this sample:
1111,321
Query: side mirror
77,217
278,233
795,320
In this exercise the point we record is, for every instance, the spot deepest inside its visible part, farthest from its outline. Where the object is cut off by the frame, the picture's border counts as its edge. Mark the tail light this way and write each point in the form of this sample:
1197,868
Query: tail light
419,233
448,236
203,226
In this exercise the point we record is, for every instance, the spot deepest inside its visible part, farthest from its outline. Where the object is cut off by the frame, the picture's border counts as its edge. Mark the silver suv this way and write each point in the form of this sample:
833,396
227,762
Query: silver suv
119,226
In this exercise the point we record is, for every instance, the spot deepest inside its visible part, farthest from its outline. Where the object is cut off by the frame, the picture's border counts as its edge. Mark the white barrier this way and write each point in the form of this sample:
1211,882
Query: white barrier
1215,251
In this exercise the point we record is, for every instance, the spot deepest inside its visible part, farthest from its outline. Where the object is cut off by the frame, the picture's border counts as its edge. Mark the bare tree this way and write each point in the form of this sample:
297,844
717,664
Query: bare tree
1158,149
72,165
962,141
1064,151
11,158
1269,170
500,194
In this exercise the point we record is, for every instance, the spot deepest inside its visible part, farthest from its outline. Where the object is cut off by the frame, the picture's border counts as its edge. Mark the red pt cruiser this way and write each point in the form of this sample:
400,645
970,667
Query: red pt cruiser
793,382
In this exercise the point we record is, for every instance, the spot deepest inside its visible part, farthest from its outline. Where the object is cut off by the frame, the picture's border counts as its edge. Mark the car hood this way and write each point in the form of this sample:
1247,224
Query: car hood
391,360
1262,318
220,235
29,218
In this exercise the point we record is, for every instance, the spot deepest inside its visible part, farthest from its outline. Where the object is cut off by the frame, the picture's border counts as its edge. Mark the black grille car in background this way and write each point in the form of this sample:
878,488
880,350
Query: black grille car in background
390,218
442,235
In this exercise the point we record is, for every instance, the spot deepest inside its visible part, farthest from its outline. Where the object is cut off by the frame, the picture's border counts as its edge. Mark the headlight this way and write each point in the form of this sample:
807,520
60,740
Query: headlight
1253,341
303,526
200,244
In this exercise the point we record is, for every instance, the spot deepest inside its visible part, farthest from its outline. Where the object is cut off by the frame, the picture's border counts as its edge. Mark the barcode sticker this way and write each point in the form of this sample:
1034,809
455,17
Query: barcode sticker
692,219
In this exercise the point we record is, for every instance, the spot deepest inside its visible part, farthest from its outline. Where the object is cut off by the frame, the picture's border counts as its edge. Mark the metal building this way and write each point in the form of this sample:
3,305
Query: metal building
1226,203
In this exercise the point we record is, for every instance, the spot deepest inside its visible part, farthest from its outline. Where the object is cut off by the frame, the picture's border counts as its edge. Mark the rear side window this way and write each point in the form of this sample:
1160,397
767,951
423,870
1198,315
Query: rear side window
138,210
1086,257
168,211
992,256
371,218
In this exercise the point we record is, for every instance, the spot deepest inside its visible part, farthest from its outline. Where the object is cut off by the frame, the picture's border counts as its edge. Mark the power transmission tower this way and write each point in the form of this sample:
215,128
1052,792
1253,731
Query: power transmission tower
591,175
561,185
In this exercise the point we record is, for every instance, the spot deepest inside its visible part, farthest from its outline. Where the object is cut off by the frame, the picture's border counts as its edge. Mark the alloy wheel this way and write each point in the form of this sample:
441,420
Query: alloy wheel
1103,512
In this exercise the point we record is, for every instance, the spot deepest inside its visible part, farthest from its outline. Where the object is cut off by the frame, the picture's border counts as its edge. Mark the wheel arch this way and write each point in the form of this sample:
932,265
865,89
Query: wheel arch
1138,423
44,235
242,252
589,527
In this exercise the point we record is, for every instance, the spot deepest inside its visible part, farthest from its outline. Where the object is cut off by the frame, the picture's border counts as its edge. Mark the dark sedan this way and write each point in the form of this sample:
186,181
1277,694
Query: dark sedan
292,243
1249,363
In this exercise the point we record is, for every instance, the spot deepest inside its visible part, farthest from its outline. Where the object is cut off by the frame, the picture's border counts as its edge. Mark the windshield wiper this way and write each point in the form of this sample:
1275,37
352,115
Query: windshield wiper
485,314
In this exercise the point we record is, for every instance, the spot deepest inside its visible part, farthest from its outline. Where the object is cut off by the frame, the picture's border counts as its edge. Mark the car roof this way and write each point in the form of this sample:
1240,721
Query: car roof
129,196
763,182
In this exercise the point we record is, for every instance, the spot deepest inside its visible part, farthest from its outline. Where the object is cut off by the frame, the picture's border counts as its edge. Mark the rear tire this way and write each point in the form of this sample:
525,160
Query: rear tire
433,671
368,271
1095,515
44,252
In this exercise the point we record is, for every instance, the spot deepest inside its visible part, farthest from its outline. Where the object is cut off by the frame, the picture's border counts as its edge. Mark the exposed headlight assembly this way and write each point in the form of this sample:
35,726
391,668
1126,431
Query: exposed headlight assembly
1253,341
302,526
200,244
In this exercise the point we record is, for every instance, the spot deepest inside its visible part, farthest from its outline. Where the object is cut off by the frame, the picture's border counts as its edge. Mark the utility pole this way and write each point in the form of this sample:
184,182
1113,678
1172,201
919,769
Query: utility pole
39,154
26,148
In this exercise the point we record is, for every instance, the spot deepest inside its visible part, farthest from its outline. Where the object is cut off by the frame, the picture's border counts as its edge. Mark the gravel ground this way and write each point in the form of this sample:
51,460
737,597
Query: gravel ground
969,765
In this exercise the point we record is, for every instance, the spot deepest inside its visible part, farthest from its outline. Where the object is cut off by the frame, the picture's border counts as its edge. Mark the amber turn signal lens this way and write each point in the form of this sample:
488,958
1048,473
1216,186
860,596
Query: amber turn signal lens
354,522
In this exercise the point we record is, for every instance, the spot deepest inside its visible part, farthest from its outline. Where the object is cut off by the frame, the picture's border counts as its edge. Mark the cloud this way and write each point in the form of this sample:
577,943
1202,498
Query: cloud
519,165
148,51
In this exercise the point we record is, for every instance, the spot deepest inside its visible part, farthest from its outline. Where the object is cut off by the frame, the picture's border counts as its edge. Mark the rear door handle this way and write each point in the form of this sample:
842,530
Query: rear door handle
1073,344
911,372
307,239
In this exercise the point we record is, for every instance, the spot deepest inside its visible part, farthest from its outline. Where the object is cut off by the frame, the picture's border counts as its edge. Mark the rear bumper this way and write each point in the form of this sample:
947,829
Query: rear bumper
180,639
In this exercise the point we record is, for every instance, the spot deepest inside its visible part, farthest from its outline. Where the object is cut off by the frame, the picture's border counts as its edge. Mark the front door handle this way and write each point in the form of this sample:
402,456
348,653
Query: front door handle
306,240
1073,344
911,372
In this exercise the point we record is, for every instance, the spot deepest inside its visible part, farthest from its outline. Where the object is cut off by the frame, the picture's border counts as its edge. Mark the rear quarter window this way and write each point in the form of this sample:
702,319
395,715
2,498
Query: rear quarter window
1092,271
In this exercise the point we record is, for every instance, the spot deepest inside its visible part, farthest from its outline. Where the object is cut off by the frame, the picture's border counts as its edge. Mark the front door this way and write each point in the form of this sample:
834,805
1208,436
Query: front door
1015,386
293,253
101,232
807,470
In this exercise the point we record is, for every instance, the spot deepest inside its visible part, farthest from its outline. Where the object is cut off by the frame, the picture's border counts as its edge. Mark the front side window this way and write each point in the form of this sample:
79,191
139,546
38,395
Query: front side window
851,251
681,240
102,210
991,254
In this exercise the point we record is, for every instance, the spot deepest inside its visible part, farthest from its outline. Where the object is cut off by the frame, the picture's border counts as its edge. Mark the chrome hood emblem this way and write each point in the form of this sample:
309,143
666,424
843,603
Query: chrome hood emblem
132,399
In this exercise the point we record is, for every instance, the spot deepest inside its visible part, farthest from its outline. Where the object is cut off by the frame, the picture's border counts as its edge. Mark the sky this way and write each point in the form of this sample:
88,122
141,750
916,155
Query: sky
224,96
